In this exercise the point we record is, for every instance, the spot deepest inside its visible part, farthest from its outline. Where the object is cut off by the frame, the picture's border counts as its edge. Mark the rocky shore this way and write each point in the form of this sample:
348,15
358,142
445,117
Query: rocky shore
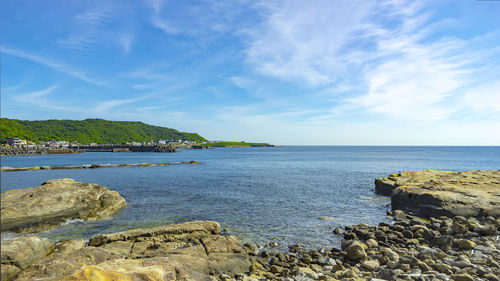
459,248
440,193
92,166
450,247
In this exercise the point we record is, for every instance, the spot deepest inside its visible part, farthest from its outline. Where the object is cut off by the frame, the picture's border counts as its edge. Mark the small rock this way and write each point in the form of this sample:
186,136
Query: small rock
371,265
356,251
462,277
276,269
371,243
390,254
465,244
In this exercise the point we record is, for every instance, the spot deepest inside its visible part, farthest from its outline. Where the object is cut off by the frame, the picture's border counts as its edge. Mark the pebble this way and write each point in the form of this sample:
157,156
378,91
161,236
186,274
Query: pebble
460,249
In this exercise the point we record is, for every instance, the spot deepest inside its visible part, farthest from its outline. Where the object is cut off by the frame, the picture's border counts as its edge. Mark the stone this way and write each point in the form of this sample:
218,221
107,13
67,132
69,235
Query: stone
464,244
326,261
433,193
276,269
251,247
371,265
371,243
356,251
462,277
54,202
486,229
390,254
23,251
458,228
443,268
68,246
8,272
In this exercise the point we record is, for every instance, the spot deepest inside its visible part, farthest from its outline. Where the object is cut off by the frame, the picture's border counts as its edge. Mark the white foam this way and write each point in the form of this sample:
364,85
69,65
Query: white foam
72,221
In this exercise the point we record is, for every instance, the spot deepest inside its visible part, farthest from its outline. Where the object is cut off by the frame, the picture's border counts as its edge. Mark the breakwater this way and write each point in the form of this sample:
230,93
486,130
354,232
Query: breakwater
40,150
33,150
92,166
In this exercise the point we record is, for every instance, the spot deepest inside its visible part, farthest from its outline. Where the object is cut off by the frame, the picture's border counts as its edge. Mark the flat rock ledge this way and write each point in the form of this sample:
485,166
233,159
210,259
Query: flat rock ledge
433,193
54,202
185,251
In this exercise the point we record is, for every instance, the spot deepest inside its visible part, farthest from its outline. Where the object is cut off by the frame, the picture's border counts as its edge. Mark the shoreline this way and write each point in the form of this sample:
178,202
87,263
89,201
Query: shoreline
410,247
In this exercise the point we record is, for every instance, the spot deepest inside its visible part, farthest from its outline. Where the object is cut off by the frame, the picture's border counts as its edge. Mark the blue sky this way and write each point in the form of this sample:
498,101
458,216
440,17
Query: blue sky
286,72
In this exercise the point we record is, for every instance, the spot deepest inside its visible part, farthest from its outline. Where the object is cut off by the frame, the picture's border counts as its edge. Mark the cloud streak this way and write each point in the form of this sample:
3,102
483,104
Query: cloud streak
52,64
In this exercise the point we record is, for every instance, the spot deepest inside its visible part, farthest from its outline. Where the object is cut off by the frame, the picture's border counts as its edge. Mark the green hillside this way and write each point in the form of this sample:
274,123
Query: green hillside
90,130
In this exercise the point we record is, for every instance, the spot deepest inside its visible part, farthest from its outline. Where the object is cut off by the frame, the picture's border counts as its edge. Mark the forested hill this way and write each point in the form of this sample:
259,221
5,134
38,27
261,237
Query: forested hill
90,130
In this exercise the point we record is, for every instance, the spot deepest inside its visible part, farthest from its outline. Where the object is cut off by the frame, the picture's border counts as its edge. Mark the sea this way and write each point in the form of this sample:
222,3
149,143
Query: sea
288,195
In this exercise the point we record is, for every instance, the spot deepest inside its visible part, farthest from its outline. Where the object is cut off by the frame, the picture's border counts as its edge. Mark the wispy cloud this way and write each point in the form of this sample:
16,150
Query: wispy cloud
387,55
52,64
126,39
106,106
164,25
34,96
303,40
86,30
41,99
157,5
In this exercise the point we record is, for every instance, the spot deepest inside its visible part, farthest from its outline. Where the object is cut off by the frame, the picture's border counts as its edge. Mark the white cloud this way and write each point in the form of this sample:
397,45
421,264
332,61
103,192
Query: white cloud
304,39
164,25
384,57
40,99
94,17
157,5
52,64
126,40
483,99
33,97
106,106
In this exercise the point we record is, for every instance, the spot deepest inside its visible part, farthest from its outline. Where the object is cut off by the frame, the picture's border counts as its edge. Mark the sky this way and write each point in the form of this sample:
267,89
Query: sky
337,72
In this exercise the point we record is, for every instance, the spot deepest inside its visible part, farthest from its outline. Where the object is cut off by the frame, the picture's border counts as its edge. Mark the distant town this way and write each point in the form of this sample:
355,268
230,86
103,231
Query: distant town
59,144
18,146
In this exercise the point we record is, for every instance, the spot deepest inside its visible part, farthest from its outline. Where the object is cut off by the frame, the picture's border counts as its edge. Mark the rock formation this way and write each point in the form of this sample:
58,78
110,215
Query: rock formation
185,251
18,254
435,193
54,202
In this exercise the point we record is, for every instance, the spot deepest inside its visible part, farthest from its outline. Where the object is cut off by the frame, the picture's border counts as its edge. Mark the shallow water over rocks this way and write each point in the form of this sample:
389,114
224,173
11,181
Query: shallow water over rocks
260,194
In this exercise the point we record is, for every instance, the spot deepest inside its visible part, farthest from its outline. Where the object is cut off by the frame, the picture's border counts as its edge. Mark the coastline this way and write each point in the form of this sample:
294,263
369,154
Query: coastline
410,248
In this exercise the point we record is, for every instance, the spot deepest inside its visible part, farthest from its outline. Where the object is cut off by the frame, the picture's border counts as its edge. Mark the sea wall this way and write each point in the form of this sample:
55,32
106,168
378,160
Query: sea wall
23,150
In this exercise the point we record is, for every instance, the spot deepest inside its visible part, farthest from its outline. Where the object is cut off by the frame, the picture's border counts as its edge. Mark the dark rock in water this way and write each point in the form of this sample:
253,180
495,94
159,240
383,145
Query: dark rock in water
56,201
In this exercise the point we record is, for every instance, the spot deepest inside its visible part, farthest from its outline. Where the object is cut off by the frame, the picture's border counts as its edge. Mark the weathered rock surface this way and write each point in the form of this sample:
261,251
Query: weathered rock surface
55,201
19,253
436,193
185,251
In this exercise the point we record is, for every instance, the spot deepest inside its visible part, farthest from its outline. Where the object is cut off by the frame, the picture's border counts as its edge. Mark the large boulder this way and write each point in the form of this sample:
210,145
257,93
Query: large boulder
435,193
55,201
185,251
18,254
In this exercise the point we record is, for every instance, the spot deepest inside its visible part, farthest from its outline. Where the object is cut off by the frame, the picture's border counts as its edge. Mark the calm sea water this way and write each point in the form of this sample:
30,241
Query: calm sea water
260,194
